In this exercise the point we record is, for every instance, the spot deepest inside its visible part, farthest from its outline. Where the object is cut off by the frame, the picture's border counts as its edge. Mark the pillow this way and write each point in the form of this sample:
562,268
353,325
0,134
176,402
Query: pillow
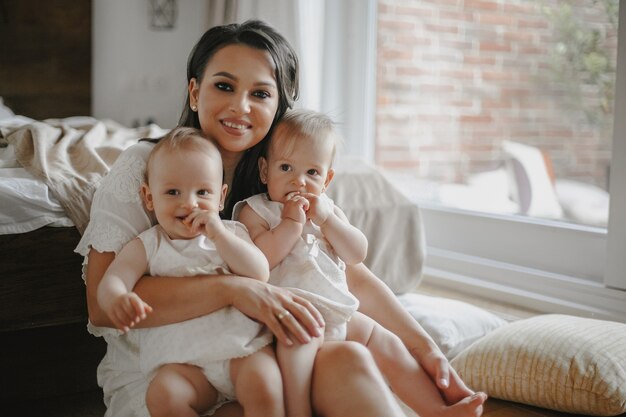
561,362
391,223
583,203
530,180
453,325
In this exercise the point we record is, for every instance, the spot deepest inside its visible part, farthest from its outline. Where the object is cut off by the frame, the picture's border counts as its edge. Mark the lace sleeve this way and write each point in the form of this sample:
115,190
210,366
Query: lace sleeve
117,212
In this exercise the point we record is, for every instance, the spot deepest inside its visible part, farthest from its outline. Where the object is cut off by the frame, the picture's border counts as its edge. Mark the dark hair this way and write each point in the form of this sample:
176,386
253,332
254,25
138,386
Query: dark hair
259,35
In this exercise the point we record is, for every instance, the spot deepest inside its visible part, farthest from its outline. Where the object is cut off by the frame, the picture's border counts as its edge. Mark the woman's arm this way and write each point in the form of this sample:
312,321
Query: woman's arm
183,298
378,302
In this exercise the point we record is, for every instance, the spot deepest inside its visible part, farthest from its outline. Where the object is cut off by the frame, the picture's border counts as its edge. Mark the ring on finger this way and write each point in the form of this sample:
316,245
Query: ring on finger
283,314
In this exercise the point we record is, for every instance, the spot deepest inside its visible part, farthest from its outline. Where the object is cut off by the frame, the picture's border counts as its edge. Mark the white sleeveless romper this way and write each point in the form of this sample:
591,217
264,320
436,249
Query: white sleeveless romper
311,270
208,341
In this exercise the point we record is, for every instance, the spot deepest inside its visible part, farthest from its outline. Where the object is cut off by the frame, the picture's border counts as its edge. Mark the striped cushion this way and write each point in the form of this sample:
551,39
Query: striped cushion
560,362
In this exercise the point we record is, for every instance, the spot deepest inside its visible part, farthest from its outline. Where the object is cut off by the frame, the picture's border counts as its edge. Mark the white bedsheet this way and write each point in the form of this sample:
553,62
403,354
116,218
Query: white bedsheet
25,201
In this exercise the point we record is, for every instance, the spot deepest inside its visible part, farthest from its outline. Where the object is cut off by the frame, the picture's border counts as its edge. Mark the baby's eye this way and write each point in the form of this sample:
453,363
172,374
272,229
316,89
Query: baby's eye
313,171
204,193
172,192
261,94
223,86
285,167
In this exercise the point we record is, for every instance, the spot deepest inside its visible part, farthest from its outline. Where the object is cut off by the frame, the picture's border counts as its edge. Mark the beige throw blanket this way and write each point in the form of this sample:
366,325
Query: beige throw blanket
71,158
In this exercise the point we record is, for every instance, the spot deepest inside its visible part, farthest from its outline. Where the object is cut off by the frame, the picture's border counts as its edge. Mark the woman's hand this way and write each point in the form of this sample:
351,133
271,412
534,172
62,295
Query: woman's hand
447,380
285,313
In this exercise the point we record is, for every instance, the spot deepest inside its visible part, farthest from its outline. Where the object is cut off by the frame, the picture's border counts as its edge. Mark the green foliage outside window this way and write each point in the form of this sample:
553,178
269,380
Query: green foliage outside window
581,62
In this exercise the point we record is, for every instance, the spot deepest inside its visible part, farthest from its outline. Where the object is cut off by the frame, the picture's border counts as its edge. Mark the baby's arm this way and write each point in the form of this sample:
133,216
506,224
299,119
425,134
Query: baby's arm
242,257
349,243
278,242
115,292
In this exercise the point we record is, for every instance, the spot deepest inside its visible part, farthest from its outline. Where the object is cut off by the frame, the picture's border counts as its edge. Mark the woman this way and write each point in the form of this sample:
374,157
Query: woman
241,79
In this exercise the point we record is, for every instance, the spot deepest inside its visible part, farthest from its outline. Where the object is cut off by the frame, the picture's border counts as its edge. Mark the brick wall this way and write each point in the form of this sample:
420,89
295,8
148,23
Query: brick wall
456,77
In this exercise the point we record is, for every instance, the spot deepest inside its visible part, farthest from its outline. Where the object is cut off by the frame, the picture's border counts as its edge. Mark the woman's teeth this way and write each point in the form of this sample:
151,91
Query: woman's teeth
234,125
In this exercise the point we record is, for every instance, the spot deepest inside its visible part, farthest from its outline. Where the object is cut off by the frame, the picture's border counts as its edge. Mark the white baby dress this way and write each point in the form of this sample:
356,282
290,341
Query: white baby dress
224,334
311,270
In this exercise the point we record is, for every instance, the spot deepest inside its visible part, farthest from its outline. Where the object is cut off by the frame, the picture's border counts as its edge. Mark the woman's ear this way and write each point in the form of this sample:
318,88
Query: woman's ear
147,196
193,92
223,196
263,169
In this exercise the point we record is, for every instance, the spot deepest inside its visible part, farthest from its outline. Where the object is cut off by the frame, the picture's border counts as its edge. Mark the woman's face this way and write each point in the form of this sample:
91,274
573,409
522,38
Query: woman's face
237,98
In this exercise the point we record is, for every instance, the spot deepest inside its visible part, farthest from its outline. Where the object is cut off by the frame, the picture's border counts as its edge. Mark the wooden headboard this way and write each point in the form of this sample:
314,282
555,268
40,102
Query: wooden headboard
45,57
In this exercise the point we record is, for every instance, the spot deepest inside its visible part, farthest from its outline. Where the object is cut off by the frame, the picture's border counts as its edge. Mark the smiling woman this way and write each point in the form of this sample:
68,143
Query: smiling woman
235,97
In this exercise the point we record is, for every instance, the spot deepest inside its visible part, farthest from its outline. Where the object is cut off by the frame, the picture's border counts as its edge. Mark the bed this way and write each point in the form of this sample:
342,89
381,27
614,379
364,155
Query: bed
49,170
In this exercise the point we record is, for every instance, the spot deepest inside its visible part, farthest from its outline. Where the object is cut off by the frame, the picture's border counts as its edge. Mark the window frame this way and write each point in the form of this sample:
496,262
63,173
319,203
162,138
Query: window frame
548,266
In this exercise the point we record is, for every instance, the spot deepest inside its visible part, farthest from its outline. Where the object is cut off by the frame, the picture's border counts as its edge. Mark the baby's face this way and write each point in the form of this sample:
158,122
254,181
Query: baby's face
181,181
306,169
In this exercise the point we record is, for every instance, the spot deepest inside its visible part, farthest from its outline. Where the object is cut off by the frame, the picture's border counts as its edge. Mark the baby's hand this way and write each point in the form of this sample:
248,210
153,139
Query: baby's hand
319,209
207,222
127,310
295,208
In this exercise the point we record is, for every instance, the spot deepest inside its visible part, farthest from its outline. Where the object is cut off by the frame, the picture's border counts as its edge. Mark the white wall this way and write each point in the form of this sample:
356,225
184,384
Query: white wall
138,72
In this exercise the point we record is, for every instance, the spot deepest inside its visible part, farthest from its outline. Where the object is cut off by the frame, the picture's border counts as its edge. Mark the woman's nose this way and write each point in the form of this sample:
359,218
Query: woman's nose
240,104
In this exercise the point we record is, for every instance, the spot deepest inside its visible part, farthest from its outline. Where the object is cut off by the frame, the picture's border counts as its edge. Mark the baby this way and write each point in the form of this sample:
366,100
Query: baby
184,189
308,241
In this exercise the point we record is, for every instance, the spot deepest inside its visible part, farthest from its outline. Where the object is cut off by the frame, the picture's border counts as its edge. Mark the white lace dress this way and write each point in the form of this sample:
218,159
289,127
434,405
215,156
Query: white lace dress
312,269
117,216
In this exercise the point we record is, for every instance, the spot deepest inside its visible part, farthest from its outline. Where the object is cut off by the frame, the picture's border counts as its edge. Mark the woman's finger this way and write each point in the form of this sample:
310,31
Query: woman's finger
276,327
303,320
293,326
305,307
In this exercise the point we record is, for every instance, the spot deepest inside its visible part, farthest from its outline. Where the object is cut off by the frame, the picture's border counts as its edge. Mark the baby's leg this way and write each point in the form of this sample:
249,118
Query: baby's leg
407,378
179,390
258,384
296,367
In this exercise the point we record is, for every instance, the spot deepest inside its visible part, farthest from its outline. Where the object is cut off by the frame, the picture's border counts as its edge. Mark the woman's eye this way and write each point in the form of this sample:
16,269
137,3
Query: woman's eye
224,86
284,167
261,94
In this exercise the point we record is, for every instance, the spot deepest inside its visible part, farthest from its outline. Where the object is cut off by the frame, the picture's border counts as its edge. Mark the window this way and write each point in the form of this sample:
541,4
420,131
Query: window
482,118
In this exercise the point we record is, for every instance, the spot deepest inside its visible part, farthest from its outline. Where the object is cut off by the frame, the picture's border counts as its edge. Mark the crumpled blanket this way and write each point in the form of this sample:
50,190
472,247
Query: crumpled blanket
72,155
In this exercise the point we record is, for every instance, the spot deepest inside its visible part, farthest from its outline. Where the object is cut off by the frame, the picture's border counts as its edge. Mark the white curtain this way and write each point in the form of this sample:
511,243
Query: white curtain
336,43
